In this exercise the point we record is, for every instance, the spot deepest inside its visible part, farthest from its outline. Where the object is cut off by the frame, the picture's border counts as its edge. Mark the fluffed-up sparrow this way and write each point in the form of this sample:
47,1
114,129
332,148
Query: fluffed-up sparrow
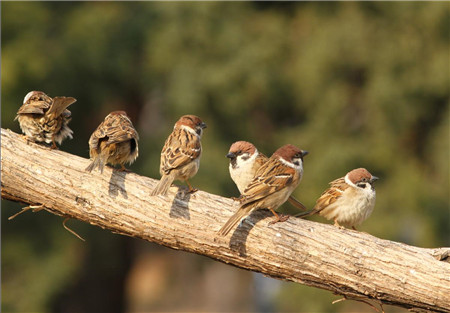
349,200
180,156
45,119
245,160
115,141
272,185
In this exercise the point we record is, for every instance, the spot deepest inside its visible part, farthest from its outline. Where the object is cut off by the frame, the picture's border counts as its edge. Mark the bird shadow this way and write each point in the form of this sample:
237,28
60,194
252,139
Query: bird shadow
117,184
180,204
239,238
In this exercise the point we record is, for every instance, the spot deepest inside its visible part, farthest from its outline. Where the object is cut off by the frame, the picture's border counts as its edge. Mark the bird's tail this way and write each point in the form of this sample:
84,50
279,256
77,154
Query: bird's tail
241,213
163,185
307,213
297,203
99,162
59,105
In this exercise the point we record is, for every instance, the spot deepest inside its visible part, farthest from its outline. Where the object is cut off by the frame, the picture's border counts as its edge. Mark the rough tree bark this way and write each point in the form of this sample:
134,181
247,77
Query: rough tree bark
349,263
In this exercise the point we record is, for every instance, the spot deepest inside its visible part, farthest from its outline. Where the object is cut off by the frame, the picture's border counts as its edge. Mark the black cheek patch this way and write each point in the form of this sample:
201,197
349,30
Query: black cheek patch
289,181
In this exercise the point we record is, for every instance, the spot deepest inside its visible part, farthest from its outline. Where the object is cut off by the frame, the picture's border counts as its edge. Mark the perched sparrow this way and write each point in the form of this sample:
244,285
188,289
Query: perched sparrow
245,160
272,185
180,156
115,141
349,200
43,119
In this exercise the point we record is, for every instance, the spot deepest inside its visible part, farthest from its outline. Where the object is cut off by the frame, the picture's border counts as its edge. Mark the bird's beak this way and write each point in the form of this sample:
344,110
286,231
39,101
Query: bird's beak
374,178
231,155
203,125
304,153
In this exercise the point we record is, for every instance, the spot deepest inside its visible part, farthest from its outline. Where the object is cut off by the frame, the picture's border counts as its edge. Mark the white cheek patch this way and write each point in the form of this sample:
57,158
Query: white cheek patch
297,161
243,161
189,130
365,185
239,161
368,190
286,162
291,164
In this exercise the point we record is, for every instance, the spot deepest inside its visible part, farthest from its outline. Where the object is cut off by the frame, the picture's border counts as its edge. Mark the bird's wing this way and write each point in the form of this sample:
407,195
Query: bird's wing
270,178
332,194
180,148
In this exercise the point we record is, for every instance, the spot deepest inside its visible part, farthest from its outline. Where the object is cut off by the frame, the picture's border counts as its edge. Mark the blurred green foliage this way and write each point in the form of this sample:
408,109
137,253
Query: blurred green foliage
358,84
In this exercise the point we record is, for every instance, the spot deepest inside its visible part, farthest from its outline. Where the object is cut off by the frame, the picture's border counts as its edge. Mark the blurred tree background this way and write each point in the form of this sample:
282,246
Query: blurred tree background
358,84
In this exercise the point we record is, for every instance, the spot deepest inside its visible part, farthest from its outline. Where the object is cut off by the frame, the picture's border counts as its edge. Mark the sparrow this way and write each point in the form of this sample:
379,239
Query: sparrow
349,200
45,119
272,185
245,160
115,141
180,156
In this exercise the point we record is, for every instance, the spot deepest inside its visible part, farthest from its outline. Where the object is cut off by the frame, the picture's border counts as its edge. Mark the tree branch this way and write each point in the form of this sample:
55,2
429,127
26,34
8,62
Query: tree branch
350,263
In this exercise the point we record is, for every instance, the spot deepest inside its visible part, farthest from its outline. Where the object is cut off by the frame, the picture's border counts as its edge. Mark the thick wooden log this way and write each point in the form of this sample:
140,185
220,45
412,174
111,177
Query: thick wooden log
346,262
